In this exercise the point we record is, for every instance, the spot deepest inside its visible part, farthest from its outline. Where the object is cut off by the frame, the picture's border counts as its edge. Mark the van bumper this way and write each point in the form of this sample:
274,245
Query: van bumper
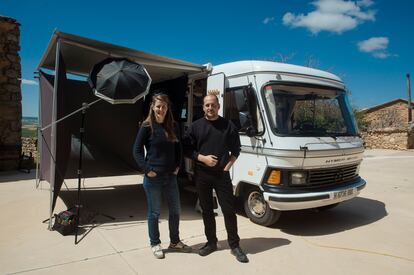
298,201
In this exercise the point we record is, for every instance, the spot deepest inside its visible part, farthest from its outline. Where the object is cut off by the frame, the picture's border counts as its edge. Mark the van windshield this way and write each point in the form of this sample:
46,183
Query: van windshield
308,110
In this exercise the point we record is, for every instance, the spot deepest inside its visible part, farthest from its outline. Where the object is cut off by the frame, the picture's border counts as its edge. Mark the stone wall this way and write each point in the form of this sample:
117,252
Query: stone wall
29,146
10,94
394,116
387,127
385,139
410,141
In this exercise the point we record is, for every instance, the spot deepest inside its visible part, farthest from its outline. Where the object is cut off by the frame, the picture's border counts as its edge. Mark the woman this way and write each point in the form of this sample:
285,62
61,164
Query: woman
161,164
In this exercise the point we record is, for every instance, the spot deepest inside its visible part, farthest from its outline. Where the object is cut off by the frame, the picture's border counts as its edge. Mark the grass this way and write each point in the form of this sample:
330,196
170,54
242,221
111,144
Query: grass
29,132
29,127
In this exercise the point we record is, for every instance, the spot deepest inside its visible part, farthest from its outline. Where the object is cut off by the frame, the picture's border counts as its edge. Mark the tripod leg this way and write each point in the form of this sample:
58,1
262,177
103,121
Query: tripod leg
78,205
77,223
109,217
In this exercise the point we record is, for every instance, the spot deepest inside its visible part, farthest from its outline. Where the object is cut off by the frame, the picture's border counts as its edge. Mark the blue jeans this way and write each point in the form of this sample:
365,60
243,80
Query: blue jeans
155,188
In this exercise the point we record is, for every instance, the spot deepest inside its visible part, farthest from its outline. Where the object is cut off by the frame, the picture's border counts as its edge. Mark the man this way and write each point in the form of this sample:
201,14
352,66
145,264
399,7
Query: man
214,143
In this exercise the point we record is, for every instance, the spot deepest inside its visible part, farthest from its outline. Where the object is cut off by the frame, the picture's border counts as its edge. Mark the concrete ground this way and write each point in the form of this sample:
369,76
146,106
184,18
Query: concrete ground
371,234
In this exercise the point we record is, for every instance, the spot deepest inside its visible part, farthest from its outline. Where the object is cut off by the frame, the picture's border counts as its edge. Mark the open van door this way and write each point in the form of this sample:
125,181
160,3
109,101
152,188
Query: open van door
216,85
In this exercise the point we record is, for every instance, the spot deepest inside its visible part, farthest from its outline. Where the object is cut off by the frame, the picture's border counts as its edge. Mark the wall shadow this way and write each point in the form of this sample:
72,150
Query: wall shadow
124,203
347,215
16,175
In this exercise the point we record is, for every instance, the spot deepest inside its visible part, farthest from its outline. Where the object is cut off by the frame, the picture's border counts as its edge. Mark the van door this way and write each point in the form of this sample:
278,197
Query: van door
216,85
241,107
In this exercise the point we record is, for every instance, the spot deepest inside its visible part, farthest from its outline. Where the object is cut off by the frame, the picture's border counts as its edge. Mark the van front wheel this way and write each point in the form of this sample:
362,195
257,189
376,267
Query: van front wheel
258,210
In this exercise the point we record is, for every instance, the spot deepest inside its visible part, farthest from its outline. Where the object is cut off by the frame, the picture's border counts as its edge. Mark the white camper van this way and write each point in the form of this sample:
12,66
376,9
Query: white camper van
300,143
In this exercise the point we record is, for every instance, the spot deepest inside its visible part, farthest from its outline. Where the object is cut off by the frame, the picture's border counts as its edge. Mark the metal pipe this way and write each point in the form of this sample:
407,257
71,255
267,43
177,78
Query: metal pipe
71,114
53,131
410,107
39,141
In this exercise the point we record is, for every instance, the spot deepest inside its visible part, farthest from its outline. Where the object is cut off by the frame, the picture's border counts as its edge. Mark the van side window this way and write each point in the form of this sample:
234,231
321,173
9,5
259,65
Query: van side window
241,108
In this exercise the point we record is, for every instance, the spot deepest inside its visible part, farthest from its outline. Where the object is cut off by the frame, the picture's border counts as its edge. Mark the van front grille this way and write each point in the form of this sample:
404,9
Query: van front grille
330,176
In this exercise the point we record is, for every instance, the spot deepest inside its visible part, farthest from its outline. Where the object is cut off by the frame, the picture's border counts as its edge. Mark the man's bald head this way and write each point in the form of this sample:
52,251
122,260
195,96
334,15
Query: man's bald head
211,107
211,96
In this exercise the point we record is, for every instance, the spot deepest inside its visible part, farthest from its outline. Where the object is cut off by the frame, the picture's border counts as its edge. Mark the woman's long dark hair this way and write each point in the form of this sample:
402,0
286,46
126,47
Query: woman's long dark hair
168,120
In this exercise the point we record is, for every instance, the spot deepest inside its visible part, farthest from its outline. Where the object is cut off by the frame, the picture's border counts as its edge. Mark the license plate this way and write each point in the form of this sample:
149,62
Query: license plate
343,194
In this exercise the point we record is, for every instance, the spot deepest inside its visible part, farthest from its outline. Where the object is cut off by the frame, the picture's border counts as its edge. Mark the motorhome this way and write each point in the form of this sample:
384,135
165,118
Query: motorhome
300,143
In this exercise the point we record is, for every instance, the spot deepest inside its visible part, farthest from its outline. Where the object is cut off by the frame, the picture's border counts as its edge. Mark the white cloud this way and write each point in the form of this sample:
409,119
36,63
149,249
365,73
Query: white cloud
335,16
376,46
373,44
317,21
29,82
267,20
365,3
381,55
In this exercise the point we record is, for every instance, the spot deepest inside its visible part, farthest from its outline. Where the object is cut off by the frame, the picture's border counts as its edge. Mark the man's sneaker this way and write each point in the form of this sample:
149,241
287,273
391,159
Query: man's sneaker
157,251
240,255
207,249
180,247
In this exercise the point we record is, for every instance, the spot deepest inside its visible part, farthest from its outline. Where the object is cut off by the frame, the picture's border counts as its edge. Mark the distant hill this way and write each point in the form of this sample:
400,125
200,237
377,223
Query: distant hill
29,120
29,126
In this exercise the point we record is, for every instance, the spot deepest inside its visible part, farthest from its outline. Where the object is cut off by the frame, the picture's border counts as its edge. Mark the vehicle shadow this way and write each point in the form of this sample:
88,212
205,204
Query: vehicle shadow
347,215
250,245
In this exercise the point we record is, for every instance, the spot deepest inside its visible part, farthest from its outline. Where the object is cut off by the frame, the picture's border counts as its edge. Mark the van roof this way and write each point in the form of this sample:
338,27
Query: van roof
243,67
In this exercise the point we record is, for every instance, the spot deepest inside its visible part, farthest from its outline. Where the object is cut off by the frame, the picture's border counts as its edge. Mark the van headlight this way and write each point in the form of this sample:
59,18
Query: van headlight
298,178
274,177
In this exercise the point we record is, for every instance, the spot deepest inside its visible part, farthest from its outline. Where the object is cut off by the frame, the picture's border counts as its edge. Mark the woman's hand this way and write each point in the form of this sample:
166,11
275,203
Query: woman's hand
151,174
176,171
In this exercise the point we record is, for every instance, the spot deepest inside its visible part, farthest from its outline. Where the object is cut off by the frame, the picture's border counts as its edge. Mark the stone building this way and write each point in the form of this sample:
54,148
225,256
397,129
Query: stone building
386,126
10,94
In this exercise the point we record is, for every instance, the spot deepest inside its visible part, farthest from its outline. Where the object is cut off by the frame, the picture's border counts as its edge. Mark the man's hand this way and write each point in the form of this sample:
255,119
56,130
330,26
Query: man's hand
209,160
230,163
151,174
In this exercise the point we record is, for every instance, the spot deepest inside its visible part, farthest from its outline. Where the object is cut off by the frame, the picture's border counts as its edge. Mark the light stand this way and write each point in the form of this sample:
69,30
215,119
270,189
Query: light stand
78,204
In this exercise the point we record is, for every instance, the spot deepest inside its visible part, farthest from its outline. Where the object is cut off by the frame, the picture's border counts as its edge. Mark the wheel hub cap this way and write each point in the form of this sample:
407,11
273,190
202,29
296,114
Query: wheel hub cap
257,205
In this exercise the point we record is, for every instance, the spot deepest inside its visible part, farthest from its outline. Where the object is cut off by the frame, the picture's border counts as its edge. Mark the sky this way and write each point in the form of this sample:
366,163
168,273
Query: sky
366,42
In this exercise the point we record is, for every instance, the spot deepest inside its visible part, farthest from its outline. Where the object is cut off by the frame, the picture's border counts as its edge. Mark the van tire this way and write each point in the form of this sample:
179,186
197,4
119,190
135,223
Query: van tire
257,209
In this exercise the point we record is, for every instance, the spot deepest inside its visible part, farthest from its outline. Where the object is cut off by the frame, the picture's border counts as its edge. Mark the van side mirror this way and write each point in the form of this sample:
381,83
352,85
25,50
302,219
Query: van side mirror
250,100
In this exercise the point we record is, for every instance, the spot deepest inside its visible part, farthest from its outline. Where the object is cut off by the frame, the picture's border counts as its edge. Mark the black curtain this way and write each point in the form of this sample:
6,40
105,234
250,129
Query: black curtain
110,130
109,135
175,89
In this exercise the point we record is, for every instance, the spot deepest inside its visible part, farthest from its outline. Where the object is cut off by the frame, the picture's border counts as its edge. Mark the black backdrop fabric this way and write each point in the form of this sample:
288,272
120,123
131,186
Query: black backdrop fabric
110,130
46,98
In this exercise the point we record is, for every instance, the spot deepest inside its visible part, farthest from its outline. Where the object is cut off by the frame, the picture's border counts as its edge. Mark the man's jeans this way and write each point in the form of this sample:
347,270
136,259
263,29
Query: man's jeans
156,188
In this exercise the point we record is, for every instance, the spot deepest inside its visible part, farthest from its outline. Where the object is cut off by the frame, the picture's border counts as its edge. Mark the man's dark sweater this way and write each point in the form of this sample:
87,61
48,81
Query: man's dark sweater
163,156
212,137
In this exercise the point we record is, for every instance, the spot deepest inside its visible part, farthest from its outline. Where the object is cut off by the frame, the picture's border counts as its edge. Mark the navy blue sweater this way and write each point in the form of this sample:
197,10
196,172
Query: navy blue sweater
163,156
212,137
